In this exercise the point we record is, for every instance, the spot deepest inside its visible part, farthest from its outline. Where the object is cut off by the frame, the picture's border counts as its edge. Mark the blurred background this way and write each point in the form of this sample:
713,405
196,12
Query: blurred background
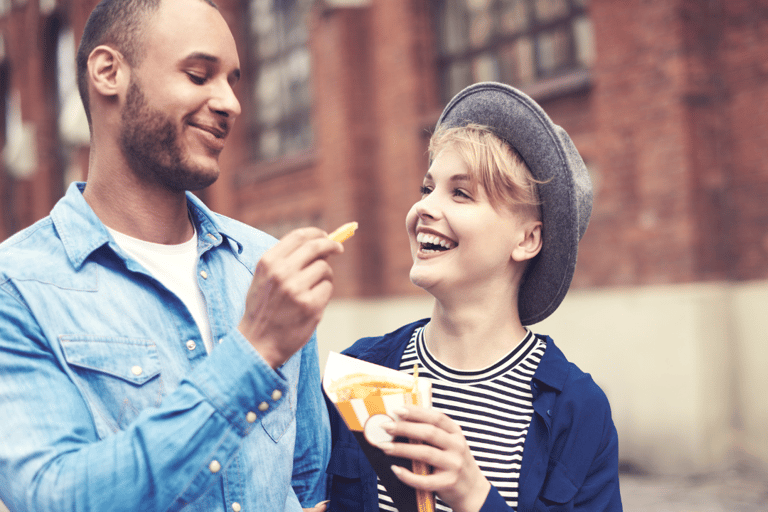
667,101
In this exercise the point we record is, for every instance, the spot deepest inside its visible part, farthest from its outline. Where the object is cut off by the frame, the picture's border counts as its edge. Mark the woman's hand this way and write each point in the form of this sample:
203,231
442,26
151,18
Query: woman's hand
455,477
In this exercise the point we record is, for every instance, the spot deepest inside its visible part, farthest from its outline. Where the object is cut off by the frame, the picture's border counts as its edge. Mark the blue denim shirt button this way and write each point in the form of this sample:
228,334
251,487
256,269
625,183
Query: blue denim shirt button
191,345
263,406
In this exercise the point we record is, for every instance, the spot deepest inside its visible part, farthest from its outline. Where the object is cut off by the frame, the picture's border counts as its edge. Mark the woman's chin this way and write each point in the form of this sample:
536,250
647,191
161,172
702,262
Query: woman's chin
420,279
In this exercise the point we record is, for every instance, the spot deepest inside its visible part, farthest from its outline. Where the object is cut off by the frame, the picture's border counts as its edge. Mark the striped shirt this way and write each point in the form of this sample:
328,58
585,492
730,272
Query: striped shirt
493,406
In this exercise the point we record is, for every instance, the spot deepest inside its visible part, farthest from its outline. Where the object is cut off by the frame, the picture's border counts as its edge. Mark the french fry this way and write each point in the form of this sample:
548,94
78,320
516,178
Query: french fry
343,232
425,500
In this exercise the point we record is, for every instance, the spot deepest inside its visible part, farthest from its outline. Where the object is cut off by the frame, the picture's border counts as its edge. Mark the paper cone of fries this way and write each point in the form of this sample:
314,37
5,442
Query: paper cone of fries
366,395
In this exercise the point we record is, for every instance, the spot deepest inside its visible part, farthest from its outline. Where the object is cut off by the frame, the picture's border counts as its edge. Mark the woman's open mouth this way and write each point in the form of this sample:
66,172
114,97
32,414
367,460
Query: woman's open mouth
430,243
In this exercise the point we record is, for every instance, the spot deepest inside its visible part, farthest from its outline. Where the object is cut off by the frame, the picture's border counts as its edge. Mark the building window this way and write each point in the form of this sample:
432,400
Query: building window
519,42
281,90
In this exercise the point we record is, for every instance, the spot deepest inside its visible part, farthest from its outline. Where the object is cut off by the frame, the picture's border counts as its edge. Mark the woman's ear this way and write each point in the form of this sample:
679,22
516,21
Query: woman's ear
107,71
529,244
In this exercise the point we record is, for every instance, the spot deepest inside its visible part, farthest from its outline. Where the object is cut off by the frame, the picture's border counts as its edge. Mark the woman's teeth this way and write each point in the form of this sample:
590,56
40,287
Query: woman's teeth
434,243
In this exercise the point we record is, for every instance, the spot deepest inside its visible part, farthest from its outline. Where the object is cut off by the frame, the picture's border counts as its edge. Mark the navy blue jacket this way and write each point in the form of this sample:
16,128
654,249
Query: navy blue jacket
571,453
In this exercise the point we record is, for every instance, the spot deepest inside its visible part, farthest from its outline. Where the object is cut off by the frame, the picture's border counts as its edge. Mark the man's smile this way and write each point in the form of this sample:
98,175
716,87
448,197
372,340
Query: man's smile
214,135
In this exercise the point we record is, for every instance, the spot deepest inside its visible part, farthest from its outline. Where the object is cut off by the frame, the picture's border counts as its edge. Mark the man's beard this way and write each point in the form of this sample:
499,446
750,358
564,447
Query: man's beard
150,142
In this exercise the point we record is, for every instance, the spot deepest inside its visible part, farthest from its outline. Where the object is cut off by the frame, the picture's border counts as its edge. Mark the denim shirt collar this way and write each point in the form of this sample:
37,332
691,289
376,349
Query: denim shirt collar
82,232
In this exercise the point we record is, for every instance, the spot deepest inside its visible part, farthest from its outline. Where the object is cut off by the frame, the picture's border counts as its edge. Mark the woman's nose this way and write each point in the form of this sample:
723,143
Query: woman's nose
427,207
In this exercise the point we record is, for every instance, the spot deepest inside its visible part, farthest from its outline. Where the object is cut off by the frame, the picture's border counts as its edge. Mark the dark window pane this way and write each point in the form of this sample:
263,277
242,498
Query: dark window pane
517,62
554,51
453,27
282,80
514,16
518,42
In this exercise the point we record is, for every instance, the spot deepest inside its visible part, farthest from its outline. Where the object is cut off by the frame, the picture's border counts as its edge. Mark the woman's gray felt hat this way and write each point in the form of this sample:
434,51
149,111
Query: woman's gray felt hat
566,191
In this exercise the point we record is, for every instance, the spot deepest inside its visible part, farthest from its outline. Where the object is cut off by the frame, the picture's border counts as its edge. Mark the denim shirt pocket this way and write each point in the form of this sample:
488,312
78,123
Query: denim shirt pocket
276,422
558,488
118,377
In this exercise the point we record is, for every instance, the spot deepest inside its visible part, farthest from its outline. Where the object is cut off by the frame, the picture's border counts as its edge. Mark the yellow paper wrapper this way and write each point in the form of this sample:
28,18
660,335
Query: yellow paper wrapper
366,394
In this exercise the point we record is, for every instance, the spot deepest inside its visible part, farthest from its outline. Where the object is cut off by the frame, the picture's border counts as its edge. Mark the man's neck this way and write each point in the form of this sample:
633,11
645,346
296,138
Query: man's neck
149,213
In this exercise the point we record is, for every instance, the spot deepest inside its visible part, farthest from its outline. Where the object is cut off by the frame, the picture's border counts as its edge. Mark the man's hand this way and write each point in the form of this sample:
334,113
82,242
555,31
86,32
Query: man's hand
320,507
291,287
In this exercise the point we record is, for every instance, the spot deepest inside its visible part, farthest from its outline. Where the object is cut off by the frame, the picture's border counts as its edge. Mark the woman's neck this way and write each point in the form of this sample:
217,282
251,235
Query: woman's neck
473,334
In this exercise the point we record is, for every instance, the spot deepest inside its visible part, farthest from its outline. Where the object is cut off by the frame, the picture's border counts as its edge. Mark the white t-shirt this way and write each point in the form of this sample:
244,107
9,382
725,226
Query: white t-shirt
175,266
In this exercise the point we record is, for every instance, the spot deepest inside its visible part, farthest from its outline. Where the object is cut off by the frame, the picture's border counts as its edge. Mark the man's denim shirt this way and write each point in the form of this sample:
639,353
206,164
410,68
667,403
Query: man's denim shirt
108,400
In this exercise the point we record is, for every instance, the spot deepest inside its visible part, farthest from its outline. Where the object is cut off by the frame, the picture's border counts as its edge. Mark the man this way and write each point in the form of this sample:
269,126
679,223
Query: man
153,354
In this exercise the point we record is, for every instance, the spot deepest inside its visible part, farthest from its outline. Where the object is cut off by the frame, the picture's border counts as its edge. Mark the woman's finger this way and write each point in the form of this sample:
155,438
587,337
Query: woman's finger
431,416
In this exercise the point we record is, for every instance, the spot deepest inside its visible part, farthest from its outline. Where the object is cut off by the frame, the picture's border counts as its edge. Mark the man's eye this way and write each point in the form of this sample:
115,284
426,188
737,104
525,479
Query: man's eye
197,79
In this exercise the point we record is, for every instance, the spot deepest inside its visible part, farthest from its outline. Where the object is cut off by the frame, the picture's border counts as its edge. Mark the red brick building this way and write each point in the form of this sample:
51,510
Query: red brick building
669,109
667,100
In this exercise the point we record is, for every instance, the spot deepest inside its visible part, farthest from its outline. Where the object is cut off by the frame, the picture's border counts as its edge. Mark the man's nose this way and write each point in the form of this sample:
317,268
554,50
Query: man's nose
224,100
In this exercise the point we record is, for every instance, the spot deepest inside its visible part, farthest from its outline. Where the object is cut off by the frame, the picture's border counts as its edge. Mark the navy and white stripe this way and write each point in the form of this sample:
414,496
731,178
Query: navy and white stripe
493,406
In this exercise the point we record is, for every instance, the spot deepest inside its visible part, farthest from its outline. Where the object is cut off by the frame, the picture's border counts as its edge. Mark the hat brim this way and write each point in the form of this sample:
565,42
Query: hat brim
565,192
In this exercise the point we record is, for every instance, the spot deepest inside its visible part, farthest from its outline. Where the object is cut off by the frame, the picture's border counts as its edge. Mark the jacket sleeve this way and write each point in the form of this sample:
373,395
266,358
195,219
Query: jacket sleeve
313,433
583,469
495,503
53,459
600,490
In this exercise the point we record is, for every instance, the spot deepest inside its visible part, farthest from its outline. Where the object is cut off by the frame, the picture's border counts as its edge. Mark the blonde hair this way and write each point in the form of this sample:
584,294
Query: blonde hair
493,164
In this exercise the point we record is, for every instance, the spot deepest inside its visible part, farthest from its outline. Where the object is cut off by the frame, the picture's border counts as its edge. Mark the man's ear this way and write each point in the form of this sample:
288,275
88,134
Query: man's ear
107,71
529,244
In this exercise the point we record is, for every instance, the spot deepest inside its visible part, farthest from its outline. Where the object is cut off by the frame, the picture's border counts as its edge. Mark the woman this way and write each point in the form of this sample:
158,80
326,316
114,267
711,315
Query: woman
494,238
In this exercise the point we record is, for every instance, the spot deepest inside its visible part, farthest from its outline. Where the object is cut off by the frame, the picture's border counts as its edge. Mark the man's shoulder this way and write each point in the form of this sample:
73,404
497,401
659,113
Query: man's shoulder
32,251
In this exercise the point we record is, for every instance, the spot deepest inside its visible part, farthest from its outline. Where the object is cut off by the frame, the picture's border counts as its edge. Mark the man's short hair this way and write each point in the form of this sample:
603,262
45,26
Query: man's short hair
119,24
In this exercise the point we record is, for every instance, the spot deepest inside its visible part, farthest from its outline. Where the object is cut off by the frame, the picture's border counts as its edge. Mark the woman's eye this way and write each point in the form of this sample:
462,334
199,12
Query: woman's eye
425,190
460,193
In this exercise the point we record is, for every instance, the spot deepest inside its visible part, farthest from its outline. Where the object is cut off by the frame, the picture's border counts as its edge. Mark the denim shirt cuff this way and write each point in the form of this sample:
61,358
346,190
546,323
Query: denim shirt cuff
239,383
